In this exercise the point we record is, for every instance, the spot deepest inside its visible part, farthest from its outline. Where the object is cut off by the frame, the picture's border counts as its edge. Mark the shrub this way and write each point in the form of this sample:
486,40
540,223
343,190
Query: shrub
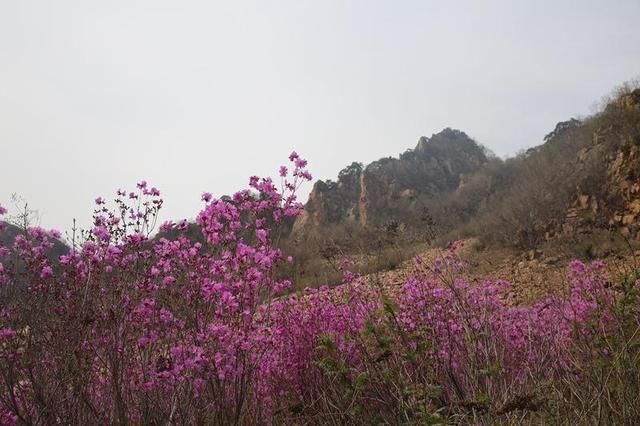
125,329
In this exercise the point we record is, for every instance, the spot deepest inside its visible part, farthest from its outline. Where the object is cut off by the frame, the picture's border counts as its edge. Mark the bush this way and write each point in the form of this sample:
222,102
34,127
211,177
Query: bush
128,330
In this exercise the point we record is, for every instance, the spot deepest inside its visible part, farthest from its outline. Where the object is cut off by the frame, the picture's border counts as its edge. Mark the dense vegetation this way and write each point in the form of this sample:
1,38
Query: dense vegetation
125,329
515,202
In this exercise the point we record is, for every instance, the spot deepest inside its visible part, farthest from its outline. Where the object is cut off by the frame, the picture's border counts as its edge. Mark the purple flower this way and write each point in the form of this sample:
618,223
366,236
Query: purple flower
167,226
46,272
101,233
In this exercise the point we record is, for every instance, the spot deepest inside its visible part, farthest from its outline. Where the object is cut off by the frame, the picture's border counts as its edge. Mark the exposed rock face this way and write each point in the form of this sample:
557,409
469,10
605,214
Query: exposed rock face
624,186
391,188
630,100
615,201
332,202
437,165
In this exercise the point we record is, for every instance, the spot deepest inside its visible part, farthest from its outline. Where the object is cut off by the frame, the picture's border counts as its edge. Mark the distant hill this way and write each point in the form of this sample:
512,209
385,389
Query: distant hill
8,233
584,177
393,188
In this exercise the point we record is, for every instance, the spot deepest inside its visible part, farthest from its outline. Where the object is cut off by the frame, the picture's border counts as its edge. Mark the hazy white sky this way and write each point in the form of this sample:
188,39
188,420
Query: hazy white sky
198,95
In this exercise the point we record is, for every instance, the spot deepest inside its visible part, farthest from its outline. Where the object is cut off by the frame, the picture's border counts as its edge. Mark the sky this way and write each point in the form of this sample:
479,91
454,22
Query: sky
197,96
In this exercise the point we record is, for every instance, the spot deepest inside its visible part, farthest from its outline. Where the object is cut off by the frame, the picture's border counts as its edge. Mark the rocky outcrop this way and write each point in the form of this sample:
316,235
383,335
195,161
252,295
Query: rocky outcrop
392,188
614,199
629,100
624,177
332,202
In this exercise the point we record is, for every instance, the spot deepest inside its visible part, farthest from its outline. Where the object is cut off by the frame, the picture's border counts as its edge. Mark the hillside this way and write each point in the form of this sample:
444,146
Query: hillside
583,165
393,188
577,194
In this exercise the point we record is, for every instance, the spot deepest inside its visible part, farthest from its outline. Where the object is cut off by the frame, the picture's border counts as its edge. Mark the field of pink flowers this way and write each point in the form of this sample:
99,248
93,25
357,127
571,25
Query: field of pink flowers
130,329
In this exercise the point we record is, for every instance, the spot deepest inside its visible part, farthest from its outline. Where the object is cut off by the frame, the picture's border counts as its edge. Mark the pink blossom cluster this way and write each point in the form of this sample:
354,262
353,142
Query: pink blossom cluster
125,328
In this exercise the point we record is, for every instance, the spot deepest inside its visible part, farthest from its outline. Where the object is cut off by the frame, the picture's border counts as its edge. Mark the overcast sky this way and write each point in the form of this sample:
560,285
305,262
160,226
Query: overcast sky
197,96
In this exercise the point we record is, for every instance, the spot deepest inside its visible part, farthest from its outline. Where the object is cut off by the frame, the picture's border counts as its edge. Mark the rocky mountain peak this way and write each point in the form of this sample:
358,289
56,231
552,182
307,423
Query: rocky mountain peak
393,187
629,100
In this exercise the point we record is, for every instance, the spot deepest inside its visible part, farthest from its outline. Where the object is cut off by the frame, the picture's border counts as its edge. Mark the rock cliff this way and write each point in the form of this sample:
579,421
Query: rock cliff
392,188
613,200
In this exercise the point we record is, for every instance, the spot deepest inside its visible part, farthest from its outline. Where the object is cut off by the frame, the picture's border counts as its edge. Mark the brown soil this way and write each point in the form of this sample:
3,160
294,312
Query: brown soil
533,274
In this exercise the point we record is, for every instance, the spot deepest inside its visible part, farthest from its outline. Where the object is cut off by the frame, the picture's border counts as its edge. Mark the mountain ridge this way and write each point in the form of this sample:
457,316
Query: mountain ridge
584,176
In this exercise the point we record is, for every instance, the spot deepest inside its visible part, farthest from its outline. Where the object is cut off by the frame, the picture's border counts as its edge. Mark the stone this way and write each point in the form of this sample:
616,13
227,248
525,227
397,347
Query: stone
634,206
534,254
583,201
628,219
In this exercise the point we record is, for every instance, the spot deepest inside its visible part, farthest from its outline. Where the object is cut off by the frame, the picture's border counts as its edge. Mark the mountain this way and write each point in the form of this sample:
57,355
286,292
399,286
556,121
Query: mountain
8,233
392,188
584,178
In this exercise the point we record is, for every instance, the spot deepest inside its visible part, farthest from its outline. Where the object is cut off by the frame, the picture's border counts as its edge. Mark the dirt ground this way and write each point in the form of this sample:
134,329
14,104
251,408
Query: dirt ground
533,274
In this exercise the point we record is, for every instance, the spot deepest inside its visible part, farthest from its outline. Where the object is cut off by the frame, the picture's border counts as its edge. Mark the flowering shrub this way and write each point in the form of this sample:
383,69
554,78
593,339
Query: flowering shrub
125,328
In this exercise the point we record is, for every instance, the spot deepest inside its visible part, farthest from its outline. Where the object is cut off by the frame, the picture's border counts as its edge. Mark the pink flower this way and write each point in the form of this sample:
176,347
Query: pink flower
101,233
167,226
194,309
6,333
154,192
262,235
2,210
46,272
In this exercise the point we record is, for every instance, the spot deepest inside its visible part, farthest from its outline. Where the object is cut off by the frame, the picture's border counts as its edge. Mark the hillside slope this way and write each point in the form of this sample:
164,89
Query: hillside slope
585,176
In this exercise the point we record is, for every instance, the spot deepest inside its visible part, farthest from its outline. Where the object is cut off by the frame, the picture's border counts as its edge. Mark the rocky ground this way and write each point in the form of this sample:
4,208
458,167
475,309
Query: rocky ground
533,274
